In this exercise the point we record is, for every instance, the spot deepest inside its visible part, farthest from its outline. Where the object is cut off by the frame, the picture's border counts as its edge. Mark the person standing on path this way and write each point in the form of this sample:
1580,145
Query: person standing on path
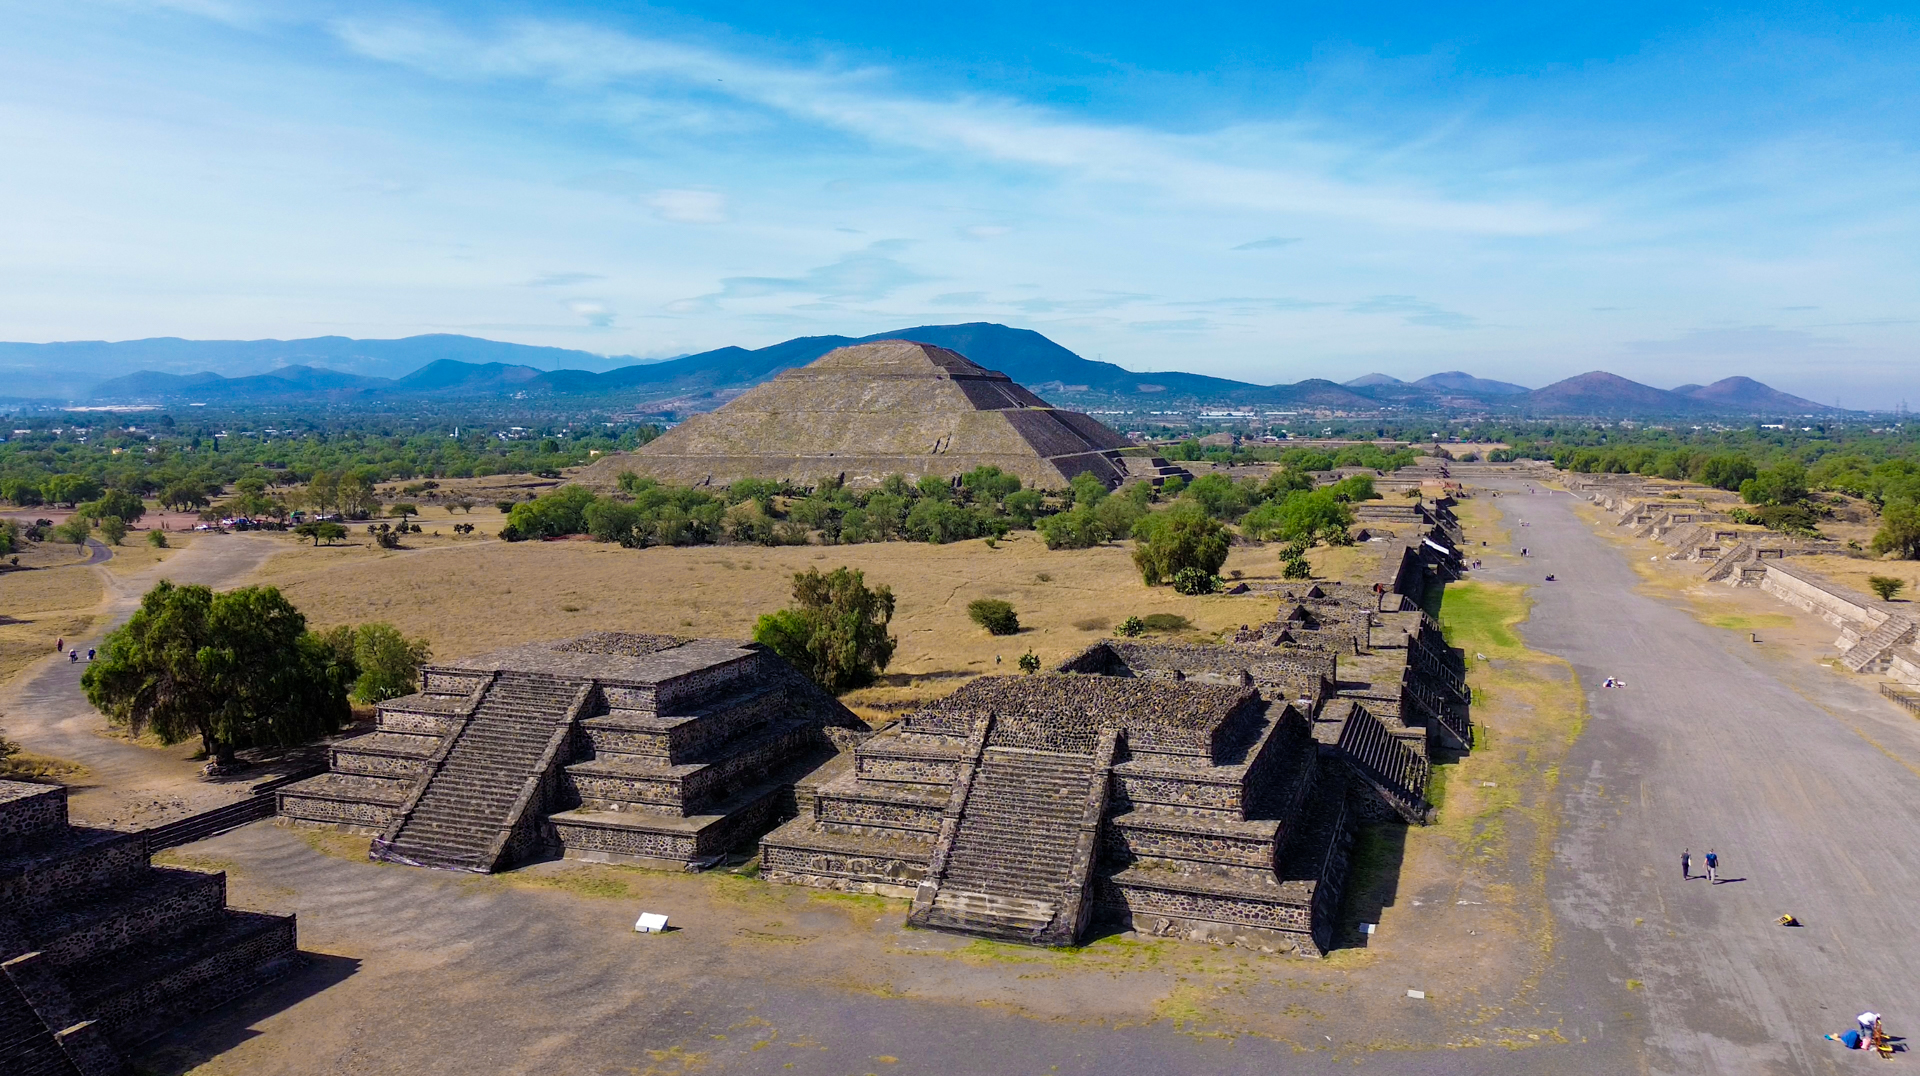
60,644
1686,865
1713,867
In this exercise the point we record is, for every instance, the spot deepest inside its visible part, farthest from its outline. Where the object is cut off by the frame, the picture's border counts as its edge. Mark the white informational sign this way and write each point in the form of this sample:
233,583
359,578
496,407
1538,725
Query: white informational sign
649,923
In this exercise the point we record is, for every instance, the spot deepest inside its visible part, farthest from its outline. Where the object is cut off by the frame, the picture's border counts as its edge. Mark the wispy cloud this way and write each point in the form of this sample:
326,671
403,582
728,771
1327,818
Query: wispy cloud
690,207
1272,243
872,273
1414,311
862,102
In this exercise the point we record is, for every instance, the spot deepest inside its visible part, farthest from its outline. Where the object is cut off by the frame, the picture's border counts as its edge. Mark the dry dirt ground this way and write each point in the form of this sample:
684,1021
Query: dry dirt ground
422,971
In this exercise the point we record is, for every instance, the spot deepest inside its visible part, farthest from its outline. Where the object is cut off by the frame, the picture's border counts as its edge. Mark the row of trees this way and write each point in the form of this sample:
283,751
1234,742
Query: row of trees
241,669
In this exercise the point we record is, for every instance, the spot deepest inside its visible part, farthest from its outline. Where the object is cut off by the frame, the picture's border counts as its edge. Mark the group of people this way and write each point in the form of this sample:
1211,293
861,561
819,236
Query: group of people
1869,1036
1612,681
1686,857
73,656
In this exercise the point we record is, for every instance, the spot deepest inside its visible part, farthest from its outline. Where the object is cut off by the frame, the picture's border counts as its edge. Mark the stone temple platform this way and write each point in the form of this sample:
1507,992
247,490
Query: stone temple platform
613,746
1198,791
100,950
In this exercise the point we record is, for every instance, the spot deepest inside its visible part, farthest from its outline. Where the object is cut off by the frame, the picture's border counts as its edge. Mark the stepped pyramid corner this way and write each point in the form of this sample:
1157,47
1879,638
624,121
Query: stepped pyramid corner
861,413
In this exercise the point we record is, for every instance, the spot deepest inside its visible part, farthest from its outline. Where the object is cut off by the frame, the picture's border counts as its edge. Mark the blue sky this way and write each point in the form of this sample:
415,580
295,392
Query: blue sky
1261,191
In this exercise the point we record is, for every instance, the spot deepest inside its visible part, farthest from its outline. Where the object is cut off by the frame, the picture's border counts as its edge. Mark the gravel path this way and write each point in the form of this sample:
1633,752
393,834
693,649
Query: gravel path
1804,780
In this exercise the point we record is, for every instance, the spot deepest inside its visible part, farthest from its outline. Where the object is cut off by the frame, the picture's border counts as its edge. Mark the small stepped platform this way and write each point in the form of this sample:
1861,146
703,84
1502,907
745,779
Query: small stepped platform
108,947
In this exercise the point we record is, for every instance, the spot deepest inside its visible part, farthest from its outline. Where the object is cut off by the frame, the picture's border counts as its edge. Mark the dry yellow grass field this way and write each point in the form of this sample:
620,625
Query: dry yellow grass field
41,606
134,554
470,595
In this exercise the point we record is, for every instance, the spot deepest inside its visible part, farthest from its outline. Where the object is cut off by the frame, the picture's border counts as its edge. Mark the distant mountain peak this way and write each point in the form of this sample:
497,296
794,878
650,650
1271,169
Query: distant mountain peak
1369,380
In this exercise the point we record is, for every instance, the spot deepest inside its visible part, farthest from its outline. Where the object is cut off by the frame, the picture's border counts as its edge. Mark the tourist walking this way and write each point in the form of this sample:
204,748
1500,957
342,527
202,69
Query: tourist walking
1686,865
1713,867
59,644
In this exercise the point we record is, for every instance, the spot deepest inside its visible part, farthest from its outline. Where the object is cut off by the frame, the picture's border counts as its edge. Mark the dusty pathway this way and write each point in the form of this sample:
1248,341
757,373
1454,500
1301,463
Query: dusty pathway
127,785
1803,780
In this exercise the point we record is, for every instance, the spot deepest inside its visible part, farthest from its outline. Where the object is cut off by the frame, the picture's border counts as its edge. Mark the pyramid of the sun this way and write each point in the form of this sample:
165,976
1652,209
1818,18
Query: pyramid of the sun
862,413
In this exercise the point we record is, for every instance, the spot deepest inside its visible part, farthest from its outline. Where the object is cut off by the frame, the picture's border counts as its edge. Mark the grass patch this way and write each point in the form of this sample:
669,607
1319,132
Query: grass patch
42,769
1166,622
1480,617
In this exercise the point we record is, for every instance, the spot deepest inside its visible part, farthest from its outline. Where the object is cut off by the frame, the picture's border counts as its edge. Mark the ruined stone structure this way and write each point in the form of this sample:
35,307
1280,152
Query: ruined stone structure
861,413
612,746
99,949
1875,636
1199,791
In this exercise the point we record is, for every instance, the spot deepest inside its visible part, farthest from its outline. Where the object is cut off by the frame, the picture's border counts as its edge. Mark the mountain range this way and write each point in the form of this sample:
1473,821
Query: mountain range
448,367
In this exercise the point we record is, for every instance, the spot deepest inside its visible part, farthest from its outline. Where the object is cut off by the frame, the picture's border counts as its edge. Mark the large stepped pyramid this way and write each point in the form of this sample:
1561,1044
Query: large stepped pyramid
861,413
612,746
100,950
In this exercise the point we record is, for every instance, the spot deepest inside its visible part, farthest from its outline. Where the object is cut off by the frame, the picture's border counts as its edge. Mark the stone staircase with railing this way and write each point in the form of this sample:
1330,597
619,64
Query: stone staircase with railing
1873,652
1013,872
475,792
1396,772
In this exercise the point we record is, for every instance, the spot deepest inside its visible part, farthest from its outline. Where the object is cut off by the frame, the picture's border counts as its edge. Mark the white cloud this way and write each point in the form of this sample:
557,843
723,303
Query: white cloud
595,314
690,207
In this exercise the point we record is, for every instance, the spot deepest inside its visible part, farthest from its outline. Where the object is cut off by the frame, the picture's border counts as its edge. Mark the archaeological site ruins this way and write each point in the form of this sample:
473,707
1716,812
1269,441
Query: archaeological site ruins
1205,791
100,949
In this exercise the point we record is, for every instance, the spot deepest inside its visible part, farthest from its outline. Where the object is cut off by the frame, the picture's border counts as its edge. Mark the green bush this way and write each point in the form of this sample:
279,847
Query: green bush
1899,531
1165,622
157,539
1029,663
1181,537
1132,627
1195,581
1297,568
836,629
1886,586
10,537
113,528
994,615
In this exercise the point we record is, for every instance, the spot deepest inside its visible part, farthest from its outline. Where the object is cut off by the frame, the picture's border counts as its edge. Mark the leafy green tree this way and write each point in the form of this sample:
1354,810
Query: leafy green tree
157,539
836,629
1029,663
1195,581
1726,470
237,669
116,502
1088,490
113,529
1886,586
1783,483
1078,527
10,537
1899,531
75,530
389,663
321,531
549,515
181,496
1183,536
989,485
70,489
995,615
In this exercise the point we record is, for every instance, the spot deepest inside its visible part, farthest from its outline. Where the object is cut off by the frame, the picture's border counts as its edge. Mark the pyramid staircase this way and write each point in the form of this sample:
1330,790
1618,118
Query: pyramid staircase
1154,470
484,784
1022,847
1874,652
1397,773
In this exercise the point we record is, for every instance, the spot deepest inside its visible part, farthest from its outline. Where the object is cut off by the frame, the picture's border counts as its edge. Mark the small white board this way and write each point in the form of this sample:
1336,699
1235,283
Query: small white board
649,923
1367,928
1421,994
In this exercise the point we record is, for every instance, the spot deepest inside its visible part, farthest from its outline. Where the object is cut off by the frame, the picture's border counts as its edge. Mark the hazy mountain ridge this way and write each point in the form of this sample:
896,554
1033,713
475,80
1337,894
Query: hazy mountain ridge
705,380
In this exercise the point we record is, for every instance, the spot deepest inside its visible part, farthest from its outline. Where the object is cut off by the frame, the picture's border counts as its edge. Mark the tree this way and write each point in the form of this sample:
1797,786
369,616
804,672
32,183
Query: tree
1727,470
1899,531
388,662
157,539
321,531
238,669
836,630
1886,586
181,496
70,489
113,528
1783,483
75,530
997,616
1184,536
116,502
1029,663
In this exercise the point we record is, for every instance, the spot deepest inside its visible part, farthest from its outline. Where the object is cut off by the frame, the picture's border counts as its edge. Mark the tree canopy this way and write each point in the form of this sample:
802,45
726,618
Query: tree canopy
836,629
238,669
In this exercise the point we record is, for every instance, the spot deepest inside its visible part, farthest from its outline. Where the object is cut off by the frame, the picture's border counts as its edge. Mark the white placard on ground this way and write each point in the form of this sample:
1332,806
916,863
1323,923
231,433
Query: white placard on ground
1416,993
649,923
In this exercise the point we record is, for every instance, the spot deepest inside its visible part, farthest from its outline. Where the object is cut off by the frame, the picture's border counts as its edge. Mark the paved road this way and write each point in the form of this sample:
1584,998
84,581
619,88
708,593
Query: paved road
1716,743
48,714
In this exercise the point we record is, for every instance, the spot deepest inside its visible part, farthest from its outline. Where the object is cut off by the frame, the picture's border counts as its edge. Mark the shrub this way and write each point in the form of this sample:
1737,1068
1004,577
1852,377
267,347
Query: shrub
1886,586
836,629
157,539
1132,627
994,615
1029,663
1195,581
1297,568
74,530
1165,622
113,528
1178,538
1078,527
10,536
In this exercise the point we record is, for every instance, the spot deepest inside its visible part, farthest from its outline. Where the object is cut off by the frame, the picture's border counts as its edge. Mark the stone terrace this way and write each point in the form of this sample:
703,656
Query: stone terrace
101,950
612,746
